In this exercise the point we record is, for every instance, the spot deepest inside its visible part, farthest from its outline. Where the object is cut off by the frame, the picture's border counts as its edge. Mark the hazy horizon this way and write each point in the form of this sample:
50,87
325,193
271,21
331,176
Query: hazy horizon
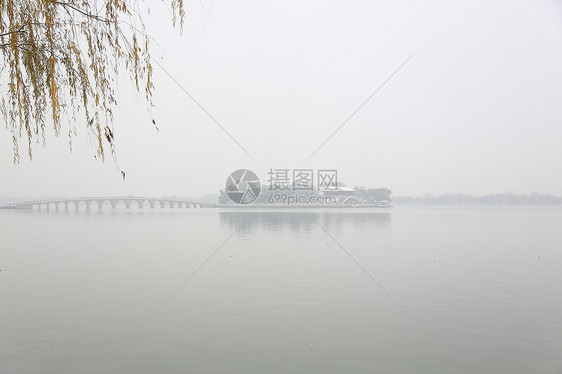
212,196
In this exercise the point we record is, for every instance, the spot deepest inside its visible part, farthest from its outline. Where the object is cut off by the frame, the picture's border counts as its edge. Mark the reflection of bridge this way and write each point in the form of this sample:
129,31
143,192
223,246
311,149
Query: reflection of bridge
108,202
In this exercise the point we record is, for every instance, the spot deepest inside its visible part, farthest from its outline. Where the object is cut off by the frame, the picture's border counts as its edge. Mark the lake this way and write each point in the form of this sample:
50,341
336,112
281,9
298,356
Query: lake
398,290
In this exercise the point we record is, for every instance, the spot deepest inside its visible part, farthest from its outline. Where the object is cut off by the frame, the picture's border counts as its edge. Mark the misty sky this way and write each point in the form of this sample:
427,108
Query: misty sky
478,109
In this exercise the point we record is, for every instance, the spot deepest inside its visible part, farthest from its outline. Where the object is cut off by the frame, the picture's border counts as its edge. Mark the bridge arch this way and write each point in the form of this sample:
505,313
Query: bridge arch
145,203
105,204
80,204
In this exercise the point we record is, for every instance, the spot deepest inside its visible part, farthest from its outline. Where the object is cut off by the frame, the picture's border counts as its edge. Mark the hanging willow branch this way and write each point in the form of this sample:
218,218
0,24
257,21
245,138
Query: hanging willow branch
63,57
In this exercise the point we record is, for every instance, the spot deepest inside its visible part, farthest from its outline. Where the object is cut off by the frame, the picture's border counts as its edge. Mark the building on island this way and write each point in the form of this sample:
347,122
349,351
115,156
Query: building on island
342,195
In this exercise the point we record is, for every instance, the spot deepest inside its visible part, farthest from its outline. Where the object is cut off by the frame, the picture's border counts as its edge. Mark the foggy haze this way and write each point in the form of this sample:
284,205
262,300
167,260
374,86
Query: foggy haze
476,110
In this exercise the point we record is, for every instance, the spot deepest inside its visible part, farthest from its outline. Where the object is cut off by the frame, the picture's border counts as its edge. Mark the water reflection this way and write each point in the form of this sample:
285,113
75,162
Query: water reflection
302,222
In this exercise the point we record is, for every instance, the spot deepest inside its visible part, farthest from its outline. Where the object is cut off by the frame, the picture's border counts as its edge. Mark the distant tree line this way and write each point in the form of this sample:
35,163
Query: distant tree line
372,195
493,199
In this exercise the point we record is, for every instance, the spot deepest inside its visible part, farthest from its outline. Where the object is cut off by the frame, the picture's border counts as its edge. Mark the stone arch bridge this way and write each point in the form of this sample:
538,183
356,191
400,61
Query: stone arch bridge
108,202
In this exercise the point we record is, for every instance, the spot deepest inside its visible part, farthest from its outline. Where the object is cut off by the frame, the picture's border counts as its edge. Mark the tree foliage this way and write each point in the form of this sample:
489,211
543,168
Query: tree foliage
379,194
60,61
372,195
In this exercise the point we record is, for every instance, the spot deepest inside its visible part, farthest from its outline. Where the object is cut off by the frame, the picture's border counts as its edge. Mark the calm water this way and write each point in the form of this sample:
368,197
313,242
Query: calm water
79,291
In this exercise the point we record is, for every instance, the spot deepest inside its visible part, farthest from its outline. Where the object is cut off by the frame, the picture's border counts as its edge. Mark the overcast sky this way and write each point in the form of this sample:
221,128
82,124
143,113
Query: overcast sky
477,109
